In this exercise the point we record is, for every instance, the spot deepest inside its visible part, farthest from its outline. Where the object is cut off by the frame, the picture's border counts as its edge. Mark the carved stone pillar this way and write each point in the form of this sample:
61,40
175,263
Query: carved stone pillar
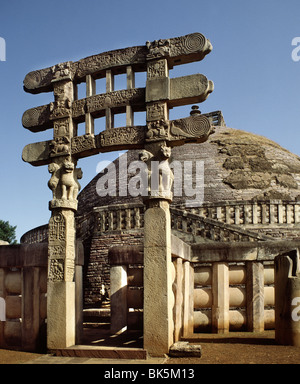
158,295
61,317
255,296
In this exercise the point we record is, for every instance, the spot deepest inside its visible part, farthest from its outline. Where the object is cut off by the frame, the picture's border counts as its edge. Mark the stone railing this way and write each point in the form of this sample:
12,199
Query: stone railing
119,217
126,275
23,287
217,287
210,229
36,235
23,290
234,285
251,212
131,216
239,219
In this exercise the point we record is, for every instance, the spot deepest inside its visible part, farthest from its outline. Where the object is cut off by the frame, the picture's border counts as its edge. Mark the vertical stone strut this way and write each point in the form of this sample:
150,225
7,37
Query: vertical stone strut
158,295
155,141
62,233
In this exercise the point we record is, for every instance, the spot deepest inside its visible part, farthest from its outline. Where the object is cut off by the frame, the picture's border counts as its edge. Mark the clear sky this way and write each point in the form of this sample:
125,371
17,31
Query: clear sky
257,84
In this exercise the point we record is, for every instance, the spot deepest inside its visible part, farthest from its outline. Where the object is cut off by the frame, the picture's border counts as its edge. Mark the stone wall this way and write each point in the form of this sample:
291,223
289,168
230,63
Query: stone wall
23,290
23,286
235,221
96,270
217,287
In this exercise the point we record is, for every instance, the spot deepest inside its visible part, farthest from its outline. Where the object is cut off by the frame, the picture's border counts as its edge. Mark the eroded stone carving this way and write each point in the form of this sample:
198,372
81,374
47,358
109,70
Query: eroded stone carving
83,143
62,71
160,175
64,180
60,146
56,270
57,229
122,136
158,48
197,126
157,130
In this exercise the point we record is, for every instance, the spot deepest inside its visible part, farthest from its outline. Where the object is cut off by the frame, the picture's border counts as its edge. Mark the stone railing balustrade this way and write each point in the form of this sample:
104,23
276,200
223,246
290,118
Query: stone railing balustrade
131,217
245,214
251,212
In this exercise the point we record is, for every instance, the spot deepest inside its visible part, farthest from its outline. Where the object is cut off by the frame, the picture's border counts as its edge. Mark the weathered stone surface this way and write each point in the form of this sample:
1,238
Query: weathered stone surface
180,50
287,293
184,349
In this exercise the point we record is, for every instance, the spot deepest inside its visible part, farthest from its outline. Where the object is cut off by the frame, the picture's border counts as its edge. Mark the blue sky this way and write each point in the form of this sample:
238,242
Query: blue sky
257,84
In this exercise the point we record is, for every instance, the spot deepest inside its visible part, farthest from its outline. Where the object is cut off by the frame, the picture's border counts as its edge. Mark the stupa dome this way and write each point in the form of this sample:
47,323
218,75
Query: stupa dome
238,166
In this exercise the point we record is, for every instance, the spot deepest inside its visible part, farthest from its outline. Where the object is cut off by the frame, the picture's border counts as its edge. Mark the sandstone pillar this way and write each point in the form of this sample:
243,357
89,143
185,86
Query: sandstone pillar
61,307
158,295
61,325
255,296
287,299
118,298
220,290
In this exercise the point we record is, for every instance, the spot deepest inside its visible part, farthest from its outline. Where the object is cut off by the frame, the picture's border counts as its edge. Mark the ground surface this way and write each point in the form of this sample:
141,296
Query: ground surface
234,348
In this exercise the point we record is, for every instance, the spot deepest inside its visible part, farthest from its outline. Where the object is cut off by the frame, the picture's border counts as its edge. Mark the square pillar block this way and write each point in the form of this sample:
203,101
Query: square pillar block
255,296
61,322
220,290
118,298
158,295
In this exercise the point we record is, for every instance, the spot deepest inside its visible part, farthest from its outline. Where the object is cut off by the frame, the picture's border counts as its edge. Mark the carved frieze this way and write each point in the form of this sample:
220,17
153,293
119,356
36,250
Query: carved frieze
156,111
131,137
157,130
61,249
179,50
96,104
62,71
156,69
158,48
57,229
56,270
60,146
119,57
61,269
63,98
83,143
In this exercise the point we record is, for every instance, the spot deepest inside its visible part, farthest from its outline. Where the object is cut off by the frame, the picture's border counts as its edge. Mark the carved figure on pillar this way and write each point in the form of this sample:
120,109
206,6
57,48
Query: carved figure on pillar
64,181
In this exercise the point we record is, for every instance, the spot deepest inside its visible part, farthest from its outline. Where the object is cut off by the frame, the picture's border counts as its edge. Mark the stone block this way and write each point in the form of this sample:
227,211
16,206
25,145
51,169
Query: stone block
158,89
13,307
184,349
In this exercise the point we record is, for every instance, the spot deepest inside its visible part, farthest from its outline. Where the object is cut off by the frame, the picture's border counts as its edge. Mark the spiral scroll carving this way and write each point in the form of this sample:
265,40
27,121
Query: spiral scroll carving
194,42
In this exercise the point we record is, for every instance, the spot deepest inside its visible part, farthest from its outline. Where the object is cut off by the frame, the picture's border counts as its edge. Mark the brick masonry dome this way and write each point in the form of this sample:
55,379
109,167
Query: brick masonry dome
238,166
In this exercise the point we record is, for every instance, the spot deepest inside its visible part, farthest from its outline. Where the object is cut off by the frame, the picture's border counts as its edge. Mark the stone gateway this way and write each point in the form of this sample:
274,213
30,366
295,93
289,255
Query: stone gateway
152,262
156,139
